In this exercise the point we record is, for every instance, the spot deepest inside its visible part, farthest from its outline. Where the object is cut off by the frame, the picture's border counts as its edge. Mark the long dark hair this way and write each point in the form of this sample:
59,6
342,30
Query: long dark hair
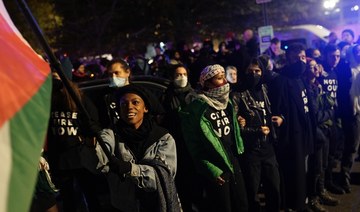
61,96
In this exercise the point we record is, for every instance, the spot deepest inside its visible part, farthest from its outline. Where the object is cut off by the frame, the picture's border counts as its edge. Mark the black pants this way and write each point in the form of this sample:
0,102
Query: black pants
336,141
229,197
75,183
317,164
324,164
292,180
43,202
258,169
190,191
351,144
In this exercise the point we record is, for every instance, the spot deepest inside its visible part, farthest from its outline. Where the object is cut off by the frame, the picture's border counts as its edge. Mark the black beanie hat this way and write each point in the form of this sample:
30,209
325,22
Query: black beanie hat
140,91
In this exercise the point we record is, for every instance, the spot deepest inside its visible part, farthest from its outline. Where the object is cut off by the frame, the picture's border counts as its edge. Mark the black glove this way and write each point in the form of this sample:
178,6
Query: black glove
89,126
119,166
92,126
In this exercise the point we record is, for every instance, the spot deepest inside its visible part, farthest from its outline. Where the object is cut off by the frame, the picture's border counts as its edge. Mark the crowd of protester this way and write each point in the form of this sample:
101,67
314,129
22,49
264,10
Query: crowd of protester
232,124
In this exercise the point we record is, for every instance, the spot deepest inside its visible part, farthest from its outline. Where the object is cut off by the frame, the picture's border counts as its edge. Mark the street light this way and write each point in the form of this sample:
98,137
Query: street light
355,8
330,4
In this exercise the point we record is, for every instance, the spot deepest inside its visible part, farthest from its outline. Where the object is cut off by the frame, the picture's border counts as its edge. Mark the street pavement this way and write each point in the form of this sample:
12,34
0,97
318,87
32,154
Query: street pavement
349,202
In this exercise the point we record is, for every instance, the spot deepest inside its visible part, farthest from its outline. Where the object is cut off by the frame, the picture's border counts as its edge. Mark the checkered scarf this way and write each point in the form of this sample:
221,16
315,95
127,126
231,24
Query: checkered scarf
217,98
210,71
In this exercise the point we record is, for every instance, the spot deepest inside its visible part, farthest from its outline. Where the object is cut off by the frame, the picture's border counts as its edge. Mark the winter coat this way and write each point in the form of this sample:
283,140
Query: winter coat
142,177
208,153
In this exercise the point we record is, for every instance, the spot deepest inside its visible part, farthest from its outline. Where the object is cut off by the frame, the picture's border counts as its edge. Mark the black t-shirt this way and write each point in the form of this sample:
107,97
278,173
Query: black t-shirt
64,128
256,144
222,125
220,121
66,134
329,83
260,106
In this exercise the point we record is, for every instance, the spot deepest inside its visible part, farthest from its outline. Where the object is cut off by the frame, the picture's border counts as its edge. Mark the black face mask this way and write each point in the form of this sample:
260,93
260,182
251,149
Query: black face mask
252,80
57,84
297,69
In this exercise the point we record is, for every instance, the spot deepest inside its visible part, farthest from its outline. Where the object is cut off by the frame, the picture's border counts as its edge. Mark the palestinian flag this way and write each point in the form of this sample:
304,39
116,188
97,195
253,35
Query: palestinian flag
25,89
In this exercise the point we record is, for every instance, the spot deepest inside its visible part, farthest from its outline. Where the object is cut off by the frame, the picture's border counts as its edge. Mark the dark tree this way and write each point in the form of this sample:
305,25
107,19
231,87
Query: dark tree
92,27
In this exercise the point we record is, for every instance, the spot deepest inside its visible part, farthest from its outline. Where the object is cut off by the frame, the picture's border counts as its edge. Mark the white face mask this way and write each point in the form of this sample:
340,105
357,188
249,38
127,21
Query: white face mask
181,81
117,82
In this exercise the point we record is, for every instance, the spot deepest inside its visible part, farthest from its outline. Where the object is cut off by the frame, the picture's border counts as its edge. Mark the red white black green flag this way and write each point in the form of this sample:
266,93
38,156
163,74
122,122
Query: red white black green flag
25,92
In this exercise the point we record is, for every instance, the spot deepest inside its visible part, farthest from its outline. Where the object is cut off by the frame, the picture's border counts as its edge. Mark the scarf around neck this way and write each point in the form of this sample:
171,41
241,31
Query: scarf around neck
135,138
138,140
179,90
178,96
217,98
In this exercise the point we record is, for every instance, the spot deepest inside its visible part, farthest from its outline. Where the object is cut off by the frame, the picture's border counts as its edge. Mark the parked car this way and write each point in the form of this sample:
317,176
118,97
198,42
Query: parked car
155,85
312,36
97,89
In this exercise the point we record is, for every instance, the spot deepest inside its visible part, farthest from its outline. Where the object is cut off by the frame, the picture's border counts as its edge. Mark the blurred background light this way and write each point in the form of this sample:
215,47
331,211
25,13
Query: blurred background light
330,4
355,8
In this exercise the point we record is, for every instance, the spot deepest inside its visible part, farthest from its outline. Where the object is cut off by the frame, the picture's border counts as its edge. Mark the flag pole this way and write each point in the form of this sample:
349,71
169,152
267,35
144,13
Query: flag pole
54,62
